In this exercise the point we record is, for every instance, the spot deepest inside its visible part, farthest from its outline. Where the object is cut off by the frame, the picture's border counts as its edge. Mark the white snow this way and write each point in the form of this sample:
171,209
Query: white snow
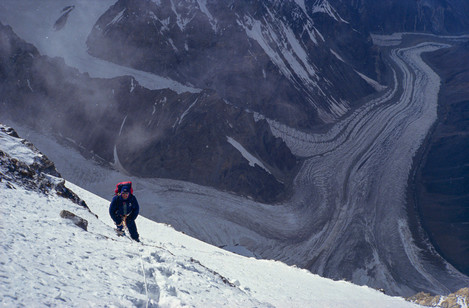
187,110
249,157
182,21
287,52
337,55
291,51
29,85
254,30
117,164
301,4
323,6
204,9
132,85
117,18
48,261
122,125
17,150
376,85
301,66
291,58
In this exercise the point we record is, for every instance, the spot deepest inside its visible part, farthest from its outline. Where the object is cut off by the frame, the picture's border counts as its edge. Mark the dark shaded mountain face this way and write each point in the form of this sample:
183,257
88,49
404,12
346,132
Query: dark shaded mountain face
196,137
443,193
434,16
292,64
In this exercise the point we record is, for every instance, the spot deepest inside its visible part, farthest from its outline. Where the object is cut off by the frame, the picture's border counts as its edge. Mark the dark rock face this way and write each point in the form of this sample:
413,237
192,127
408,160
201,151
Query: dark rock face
60,23
434,16
443,194
155,133
196,147
39,175
245,52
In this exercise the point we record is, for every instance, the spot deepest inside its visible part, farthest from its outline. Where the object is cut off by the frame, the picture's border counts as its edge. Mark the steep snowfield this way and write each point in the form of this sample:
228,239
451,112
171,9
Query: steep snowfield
48,261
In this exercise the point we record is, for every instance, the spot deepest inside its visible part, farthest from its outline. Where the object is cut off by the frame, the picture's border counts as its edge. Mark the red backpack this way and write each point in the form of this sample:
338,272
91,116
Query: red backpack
119,186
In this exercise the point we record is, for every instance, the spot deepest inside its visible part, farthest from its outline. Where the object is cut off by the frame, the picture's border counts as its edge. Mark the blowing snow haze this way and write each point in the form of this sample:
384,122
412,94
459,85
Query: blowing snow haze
324,134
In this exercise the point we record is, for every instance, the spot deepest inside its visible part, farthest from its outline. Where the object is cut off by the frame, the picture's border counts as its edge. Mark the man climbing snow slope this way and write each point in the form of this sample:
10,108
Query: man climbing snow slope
124,210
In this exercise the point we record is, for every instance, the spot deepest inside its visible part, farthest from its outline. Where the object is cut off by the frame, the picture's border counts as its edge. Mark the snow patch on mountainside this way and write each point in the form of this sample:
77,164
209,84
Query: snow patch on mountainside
249,157
117,18
337,55
376,85
285,50
323,6
301,4
203,8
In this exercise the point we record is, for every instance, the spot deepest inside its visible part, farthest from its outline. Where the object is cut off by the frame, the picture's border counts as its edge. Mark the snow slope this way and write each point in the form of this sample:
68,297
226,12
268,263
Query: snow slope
48,261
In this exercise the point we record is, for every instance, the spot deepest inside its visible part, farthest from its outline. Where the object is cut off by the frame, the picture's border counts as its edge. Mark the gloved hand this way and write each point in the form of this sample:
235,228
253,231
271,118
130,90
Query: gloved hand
120,229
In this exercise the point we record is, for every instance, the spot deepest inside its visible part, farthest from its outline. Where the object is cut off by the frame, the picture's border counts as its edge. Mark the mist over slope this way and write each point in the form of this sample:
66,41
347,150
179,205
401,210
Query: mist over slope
150,133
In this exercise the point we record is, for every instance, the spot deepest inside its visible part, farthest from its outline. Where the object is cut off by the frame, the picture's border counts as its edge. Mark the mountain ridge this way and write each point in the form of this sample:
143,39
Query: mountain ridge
252,46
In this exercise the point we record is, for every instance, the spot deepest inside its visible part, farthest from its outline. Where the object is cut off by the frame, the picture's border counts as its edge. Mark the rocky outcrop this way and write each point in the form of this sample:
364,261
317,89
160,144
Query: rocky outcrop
459,299
23,164
76,220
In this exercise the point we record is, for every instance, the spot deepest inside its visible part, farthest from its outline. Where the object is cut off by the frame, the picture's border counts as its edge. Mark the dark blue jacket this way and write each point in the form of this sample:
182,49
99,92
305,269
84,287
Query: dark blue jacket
120,207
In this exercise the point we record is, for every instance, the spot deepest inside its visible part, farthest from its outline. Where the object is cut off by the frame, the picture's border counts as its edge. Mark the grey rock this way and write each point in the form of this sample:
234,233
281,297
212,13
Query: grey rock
77,220
457,299
41,175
